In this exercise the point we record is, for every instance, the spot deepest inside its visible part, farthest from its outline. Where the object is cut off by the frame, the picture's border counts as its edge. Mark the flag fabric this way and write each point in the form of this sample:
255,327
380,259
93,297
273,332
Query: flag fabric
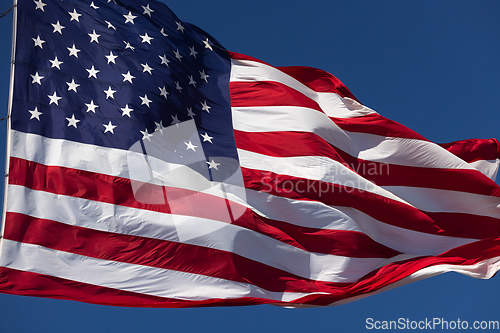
150,167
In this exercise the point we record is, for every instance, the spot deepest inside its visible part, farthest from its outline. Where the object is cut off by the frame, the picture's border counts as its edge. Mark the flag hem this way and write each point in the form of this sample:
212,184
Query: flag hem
431,271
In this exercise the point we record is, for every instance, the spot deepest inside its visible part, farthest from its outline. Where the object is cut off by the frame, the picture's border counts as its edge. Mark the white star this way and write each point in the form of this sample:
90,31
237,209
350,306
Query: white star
178,55
192,81
109,93
110,26
159,126
162,31
164,60
146,38
129,17
178,86
35,113
93,6
213,165
91,106
190,112
146,135
190,146
111,57
147,68
208,45
205,107
72,85
55,63
38,42
73,51
54,99
128,46
74,16
94,37
57,27
193,52
37,78
175,120
93,72
126,111
72,121
206,137
180,27
145,100
204,76
147,10
163,92
109,127
128,77
39,5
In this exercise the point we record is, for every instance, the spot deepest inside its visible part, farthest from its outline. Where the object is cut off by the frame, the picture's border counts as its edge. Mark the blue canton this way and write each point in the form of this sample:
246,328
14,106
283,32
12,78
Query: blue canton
115,73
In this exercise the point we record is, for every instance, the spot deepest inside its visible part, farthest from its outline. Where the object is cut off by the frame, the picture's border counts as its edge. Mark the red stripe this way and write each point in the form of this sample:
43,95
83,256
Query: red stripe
239,56
345,243
377,125
474,149
384,174
289,144
383,209
100,188
32,284
316,79
116,190
462,180
268,93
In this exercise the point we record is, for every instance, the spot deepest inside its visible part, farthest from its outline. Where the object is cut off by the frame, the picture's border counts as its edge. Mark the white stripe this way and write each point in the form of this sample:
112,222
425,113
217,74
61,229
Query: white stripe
332,104
485,269
36,148
319,168
289,119
370,147
487,167
189,230
129,277
118,163
403,151
318,215
303,213
435,200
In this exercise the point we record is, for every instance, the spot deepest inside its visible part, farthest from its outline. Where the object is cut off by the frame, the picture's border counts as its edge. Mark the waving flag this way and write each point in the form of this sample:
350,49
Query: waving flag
148,166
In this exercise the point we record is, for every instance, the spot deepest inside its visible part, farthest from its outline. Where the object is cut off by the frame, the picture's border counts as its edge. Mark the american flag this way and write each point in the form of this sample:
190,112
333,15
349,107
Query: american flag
148,166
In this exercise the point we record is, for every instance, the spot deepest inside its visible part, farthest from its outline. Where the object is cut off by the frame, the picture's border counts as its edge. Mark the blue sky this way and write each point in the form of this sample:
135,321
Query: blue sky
431,65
